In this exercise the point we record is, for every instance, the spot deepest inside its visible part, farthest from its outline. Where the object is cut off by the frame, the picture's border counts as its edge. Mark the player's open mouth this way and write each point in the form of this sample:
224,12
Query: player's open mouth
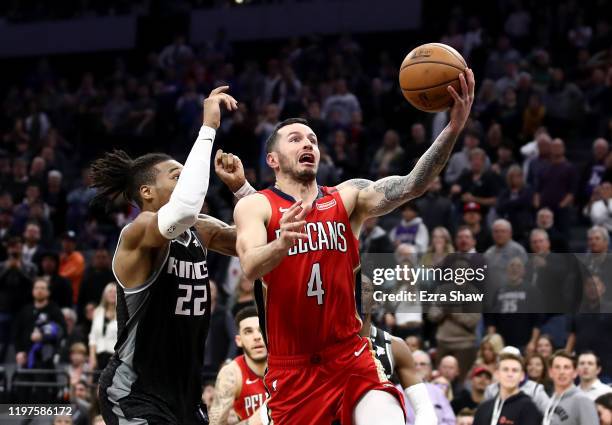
306,158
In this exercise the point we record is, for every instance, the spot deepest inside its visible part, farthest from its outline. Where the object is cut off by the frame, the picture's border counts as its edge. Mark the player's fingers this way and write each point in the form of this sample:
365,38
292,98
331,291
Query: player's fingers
454,94
293,226
227,102
464,87
218,159
296,235
302,214
289,212
471,81
230,162
233,101
218,90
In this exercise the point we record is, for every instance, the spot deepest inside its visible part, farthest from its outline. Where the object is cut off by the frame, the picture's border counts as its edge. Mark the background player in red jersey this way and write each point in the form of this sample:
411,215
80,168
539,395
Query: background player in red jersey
240,383
302,239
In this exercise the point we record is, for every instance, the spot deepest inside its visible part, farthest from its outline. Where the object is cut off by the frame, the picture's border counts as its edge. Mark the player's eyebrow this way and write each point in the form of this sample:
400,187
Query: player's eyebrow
299,134
171,170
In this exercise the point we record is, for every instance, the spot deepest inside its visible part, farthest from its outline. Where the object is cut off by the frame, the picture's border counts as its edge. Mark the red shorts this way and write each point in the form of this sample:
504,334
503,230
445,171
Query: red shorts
321,388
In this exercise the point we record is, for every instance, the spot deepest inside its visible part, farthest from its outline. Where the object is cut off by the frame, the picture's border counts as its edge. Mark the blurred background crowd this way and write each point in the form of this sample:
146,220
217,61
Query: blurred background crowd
532,173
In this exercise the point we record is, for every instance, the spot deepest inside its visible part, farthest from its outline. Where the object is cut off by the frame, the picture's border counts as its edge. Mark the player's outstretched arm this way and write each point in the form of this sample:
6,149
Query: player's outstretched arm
416,391
151,230
226,390
383,196
217,235
257,255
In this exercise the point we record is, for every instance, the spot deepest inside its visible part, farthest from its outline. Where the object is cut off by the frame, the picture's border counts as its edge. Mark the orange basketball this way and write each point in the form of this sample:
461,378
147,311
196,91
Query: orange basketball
425,74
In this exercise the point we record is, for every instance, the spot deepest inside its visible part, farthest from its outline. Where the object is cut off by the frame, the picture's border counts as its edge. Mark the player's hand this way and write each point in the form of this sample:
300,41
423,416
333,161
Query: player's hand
462,105
291,225
255,418
230,170
212,106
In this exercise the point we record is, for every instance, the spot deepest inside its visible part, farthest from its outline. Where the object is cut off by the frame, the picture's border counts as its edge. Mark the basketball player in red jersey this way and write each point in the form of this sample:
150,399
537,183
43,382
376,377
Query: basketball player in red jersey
240,383
302,240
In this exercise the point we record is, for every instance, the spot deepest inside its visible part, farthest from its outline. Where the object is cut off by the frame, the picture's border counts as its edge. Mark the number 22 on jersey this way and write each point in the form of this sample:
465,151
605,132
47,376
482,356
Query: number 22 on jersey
184,305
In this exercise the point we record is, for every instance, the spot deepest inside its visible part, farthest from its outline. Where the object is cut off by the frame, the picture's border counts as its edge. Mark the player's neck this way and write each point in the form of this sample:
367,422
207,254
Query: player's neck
304,191
258,367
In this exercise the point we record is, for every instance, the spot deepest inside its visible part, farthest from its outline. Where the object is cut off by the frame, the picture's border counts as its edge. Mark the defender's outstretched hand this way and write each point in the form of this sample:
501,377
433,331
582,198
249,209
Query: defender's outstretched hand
212,106
462,102
230,170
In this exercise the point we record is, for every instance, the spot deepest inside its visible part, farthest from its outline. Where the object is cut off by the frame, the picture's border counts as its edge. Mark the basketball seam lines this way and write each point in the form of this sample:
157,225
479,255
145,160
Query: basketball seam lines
430,87
451,52
438,62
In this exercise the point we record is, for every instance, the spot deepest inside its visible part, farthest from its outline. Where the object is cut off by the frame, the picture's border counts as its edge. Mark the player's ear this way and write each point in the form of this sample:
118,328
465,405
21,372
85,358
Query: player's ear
272,160
238,341
146,192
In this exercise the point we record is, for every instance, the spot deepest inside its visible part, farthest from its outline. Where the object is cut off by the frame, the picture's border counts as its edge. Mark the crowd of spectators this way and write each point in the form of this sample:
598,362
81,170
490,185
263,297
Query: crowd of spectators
21,11
530,174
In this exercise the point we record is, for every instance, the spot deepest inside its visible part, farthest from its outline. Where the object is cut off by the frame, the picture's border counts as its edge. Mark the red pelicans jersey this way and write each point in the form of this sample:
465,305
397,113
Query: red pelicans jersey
310,295
253,392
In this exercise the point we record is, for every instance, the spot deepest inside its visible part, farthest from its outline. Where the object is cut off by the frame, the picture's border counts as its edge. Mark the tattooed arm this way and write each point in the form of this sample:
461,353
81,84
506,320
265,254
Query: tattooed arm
226,389
380,197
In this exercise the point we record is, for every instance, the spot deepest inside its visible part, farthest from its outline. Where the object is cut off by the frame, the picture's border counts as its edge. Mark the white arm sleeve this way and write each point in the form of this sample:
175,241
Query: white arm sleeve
424,413
181,212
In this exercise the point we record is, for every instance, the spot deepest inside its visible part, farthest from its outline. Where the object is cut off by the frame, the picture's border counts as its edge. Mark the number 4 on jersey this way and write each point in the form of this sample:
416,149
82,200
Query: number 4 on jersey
315,285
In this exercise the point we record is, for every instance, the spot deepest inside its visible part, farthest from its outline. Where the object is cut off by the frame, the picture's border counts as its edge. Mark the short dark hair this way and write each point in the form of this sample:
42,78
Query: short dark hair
564,354
590,352
462,228
116,173
411,205
511,356
271,142
605,400
244,313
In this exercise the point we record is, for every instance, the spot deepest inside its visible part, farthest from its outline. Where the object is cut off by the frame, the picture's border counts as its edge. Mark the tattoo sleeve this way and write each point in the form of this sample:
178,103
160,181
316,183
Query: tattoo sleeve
225,390
387,194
